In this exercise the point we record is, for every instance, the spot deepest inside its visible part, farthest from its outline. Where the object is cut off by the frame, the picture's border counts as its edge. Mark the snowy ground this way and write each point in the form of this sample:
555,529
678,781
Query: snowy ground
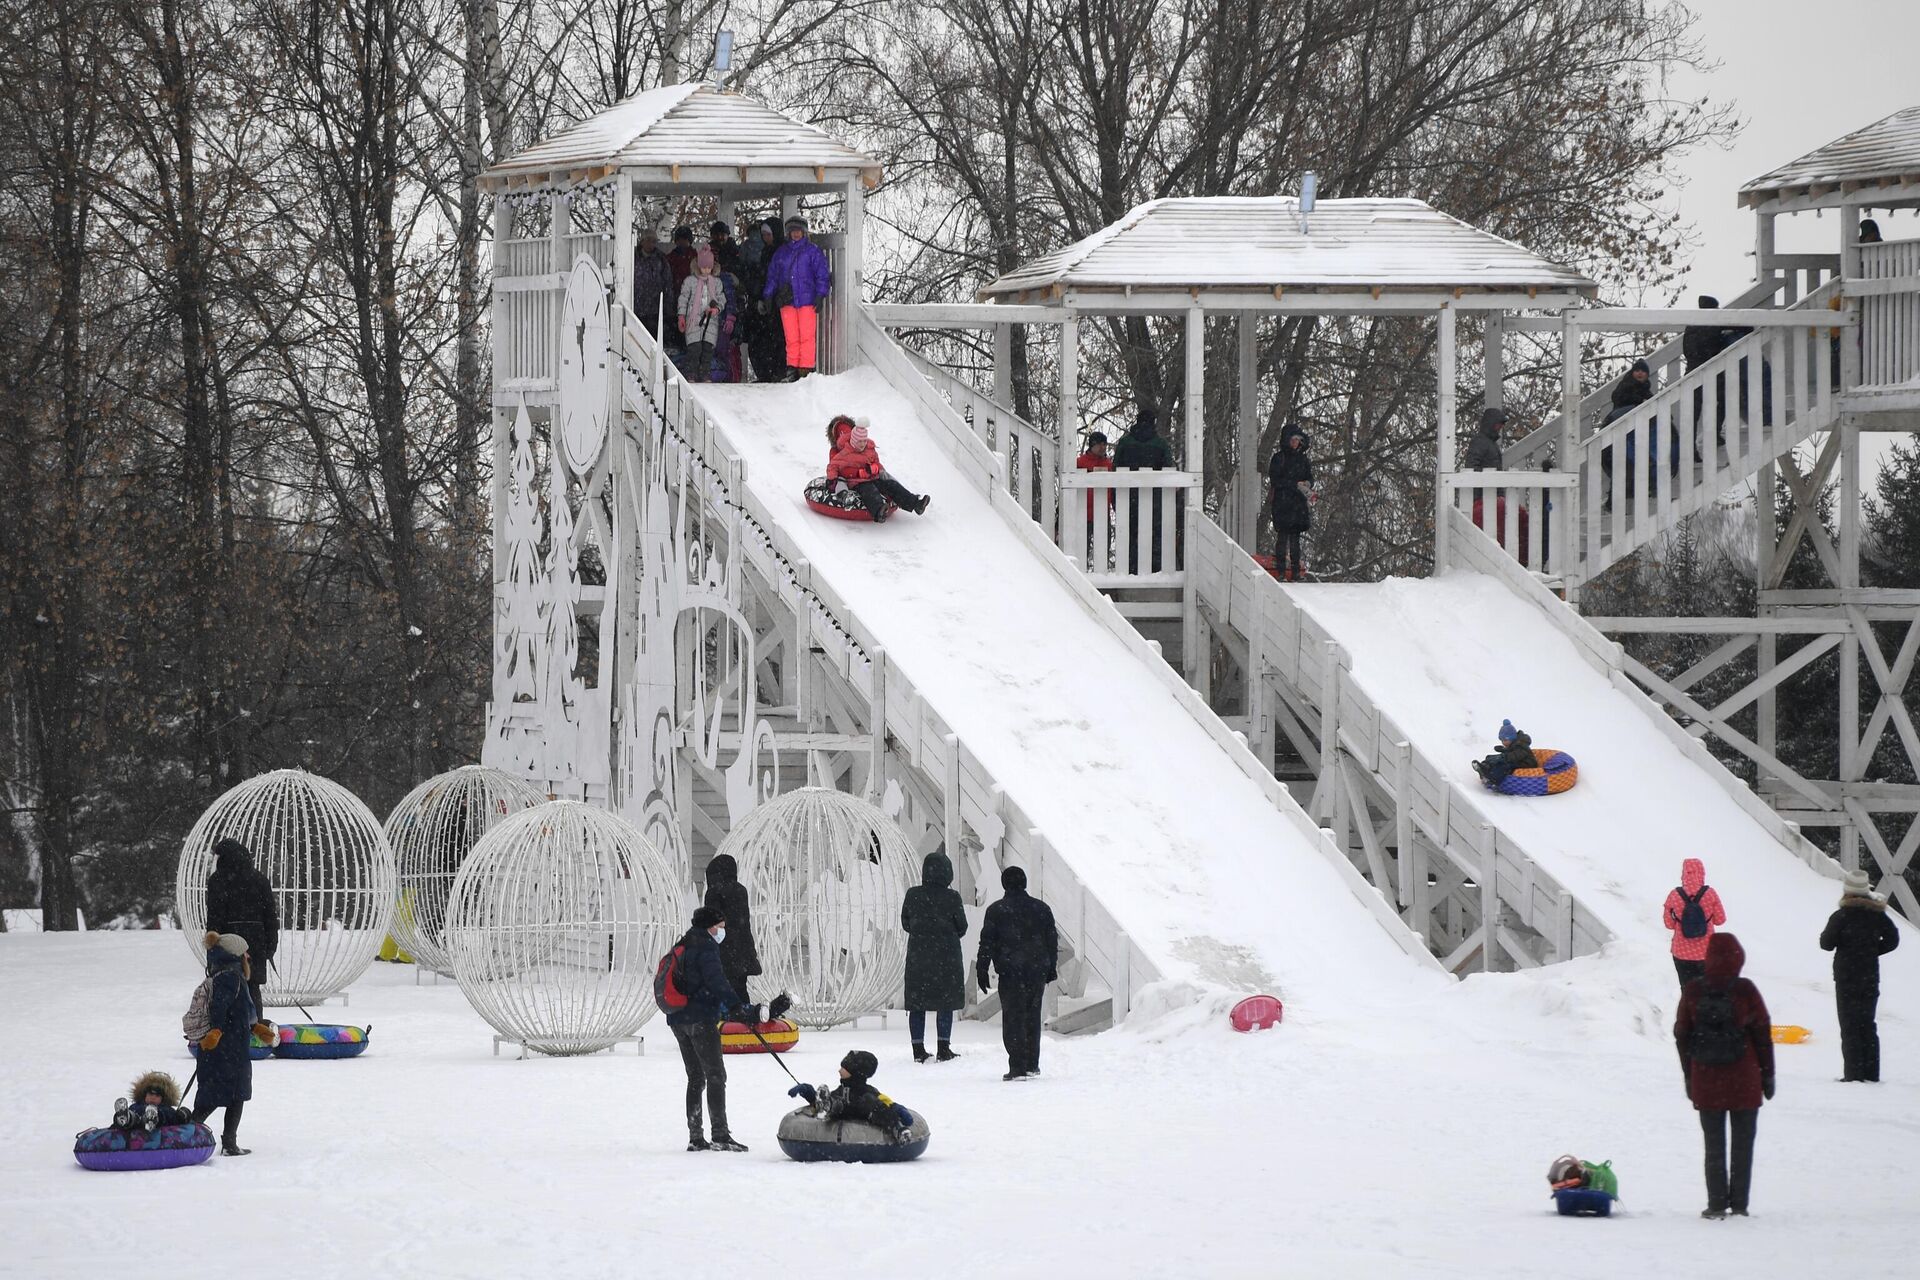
1413,1143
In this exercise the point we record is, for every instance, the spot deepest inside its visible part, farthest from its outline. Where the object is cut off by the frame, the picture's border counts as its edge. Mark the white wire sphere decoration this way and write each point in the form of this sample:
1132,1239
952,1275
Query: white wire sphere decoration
332,874
555,924
432,830
825,873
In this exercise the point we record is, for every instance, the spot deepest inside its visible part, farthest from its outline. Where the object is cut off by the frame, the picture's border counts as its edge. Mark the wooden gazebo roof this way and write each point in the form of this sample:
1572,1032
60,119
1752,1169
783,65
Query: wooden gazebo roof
1878,165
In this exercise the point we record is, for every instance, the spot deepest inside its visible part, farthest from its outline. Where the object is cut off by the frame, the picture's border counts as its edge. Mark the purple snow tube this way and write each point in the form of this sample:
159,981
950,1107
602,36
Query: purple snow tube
170,1146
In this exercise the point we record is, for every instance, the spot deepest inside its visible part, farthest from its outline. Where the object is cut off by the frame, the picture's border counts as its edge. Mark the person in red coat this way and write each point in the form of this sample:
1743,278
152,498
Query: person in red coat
856,462
1692,931
1725,1037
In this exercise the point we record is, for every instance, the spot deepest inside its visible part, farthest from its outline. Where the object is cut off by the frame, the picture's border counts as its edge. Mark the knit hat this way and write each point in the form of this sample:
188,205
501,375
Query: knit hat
1507,731
861,1065
1708,302
796,223
683,233
1857,883
703,258
719,229
858,436
707,917
232,943
233,850
1013,878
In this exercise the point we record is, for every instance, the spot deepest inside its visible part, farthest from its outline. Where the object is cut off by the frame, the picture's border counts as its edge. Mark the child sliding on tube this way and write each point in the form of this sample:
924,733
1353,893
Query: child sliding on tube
153,1103
856,463
1514,752
855,1099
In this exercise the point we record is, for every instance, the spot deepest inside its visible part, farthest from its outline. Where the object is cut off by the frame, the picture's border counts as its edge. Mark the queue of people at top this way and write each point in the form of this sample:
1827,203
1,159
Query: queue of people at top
724,309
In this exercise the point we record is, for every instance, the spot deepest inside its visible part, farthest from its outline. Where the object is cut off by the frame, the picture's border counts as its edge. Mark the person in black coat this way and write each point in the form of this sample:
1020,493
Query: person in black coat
728,896
1483,451
240,900
1290,477
936,977
696,1026
1858,934
766,341
226,1068
1700,343
1019,940
1142,449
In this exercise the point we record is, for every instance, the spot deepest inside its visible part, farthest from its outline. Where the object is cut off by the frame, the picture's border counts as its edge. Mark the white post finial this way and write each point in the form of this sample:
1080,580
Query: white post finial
1309,185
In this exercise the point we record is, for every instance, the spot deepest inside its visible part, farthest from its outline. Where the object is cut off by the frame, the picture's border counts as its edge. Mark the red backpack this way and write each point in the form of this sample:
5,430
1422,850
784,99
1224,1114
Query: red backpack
667,977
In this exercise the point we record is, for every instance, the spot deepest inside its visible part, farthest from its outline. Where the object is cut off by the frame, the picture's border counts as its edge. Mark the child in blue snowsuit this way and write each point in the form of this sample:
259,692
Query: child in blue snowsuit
1514,752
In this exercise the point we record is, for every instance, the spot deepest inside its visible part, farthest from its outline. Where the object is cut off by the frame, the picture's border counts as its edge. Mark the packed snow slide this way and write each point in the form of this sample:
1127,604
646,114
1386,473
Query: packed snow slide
1448,657
1215,884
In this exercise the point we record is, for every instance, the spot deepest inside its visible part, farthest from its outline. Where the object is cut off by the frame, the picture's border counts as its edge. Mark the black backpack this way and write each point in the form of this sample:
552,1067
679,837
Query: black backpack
1718,1039
1693,918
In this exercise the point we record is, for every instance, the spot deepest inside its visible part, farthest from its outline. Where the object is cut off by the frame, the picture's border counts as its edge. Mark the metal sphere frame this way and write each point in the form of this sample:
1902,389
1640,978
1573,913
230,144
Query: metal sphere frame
432,830
825,872
332,873
555,923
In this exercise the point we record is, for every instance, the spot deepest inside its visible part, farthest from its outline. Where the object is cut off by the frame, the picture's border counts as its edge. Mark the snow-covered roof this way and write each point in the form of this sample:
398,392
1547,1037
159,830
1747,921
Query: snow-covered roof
1884,154
1255,243
692,133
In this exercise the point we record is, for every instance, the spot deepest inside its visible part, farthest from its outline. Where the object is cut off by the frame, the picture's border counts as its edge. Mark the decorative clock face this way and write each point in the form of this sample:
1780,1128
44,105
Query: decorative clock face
584,376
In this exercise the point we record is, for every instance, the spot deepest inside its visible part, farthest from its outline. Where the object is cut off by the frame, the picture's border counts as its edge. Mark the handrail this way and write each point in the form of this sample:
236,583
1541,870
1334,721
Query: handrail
879,348
1286,644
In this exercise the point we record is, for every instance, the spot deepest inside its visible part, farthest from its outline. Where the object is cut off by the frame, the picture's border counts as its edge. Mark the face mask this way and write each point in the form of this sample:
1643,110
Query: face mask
720,934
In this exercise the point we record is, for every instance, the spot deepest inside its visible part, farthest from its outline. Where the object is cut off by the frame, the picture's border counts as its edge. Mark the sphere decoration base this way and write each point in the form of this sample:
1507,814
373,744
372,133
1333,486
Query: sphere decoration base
432,830
554,925
826,872
332,874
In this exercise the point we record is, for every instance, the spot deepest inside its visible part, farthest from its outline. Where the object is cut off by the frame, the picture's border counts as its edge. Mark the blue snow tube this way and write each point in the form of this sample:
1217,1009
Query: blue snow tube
809,1138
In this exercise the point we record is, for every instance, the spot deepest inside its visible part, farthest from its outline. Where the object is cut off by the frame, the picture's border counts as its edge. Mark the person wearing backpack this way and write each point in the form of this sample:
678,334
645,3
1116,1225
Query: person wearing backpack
1692,912
1858,934
1725,1037
226,1068
692,989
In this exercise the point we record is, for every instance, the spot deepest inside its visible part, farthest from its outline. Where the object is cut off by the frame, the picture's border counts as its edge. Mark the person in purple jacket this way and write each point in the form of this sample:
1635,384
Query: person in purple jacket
797,280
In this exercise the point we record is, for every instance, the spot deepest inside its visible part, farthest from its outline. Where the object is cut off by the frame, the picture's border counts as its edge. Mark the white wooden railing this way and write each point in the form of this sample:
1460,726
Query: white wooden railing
1285,647
1123,528
1889,294
1801,276
527,293
1524,511
1029,457
1780,384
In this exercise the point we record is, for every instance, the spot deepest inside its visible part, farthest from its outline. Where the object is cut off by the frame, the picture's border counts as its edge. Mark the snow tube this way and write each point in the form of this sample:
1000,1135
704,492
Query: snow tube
778,1035
1791,1035
1583,1200
841,504
312,1040
1256,1013
170,1146
808,1138
1552,772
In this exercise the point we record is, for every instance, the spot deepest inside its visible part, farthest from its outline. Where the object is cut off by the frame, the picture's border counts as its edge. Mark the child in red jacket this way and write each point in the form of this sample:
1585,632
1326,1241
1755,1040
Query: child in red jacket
856,463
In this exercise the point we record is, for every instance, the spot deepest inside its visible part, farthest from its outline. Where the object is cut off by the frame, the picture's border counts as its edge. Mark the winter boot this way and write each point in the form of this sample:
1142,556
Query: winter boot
229,1149
920,1053
921,510
1014,1075
1713,1213
122,1114
697,1143
726,1144
946,1053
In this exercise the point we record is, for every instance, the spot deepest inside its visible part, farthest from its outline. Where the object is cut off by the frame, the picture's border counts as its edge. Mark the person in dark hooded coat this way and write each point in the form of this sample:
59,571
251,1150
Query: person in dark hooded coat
1858,934
1725,1037
936,978
1142,449
1290,477
725,894
1483,451
240,900
226,1068
1019,940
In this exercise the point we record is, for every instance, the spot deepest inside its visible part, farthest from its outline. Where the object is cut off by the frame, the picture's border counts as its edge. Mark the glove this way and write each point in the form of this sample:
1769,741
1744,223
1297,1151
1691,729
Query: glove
683,324
802,1091
757,1014
211,1040
726,326
778,1009
981,974
902,1116
265,1032
1766,1086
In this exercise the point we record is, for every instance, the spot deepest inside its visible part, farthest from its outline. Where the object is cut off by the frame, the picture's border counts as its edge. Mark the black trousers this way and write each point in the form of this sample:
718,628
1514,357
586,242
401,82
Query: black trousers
1727,1186
1857,1003
257,990
874,495
706,1070
1288,552
737,978
230,1127
1688,970
1020,1017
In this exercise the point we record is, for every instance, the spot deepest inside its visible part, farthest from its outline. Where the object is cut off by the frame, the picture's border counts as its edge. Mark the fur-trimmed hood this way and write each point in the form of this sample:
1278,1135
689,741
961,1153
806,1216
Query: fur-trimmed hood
1866,901
169,1087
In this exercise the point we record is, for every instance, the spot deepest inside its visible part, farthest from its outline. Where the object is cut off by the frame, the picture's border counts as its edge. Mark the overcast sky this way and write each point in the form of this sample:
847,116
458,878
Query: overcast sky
1799,73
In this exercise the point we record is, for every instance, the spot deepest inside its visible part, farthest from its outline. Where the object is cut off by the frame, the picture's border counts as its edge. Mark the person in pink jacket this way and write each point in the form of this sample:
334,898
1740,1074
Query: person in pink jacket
1692,913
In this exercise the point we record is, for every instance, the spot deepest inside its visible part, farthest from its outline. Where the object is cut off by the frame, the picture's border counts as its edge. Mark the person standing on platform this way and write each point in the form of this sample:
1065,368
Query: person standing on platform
1858,934
653,289
1290,476
1019,940
798,280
